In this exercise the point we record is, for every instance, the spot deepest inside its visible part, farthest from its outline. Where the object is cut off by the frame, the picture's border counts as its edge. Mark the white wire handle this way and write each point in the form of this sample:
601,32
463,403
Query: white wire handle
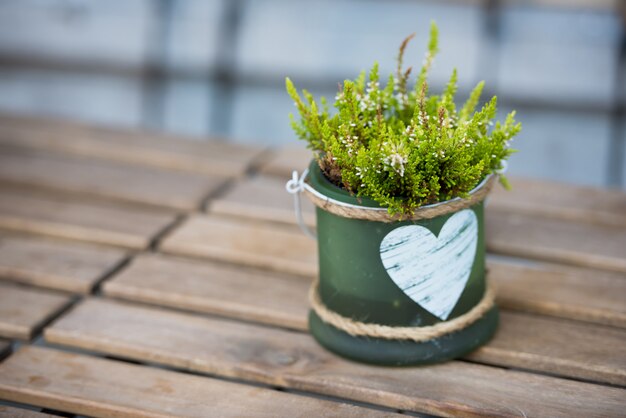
504,164
295,186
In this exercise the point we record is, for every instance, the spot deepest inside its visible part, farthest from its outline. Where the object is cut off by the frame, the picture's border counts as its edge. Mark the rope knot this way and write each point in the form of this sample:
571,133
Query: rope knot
296,184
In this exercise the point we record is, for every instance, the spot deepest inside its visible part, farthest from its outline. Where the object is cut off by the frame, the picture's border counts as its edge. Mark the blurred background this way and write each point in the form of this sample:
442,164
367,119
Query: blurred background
214,69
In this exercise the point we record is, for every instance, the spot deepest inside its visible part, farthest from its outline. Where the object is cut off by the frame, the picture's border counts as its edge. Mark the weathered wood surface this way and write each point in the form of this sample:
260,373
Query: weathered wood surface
247,242
104,388
283,302
23,311
562,327
285,160
10,412
62,265
210,287
98,222
561,201
105,179
294,360
577,243
568,292
557,346
262,198
150,149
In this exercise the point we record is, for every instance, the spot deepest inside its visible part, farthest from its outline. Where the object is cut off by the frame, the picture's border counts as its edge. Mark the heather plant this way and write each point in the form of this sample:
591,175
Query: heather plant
398,144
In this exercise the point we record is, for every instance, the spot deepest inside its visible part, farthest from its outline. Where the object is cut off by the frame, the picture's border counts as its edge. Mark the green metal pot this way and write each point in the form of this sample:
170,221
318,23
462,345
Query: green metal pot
361,278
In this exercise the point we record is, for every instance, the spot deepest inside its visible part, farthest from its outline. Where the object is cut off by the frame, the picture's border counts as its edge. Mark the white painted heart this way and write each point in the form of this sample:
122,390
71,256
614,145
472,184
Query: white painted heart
433,271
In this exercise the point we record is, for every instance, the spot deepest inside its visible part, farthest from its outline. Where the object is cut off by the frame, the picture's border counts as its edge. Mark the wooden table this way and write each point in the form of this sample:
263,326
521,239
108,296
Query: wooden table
144,275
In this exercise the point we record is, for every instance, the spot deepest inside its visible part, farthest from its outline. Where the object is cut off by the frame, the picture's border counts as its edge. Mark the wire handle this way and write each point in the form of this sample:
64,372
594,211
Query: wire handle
295,186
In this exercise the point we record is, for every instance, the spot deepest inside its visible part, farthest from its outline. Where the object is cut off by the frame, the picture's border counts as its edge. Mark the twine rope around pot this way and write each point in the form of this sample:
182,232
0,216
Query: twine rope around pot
348,210
415,334
298,185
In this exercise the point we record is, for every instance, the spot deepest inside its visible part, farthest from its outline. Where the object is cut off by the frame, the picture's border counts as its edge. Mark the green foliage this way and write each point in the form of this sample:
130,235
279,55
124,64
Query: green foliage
404,148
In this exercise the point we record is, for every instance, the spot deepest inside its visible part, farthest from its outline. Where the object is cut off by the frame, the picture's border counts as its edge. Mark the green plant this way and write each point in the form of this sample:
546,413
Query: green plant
403,147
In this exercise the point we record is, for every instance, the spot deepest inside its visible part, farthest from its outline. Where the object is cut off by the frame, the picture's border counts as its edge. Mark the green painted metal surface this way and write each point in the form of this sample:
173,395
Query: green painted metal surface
355,283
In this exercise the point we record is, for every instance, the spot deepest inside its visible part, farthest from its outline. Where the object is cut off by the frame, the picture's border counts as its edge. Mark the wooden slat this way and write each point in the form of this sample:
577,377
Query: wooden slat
90,177
214,288
104,388
285,160
281,301
567,292
565,348
284,358
99,222
10,412
264,198
55,264
24,310
577,243
153,149
247,242
561,201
